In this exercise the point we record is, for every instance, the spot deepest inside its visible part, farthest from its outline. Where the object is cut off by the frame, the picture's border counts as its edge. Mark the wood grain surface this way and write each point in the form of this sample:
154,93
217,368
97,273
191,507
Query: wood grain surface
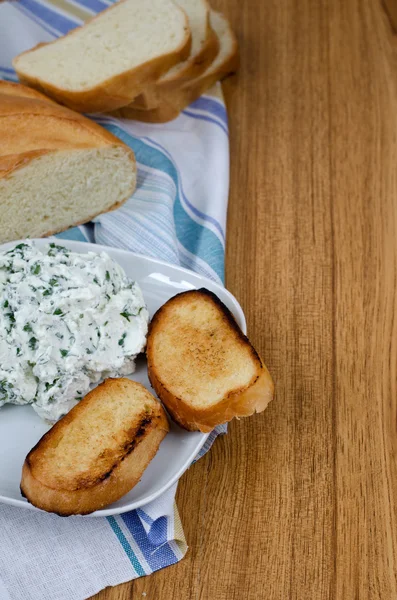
300,502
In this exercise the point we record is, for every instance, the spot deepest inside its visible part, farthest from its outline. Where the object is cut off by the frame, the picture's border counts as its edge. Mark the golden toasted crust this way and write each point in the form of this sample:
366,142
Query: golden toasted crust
252,397
115,91
164,108
54,481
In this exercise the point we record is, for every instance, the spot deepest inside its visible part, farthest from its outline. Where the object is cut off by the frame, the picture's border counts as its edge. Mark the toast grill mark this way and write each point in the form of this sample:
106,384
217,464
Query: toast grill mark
127,448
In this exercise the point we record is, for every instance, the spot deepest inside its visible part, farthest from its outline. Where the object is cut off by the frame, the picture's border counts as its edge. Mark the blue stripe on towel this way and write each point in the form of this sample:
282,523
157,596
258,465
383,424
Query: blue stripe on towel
156,551
195,210
196,238
126,546
44,13
31,16
212,106
94,5
204,118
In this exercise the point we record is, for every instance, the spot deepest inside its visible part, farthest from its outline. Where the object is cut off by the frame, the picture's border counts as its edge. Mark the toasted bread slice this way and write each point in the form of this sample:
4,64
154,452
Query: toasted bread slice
108,61
97,452
179,97
201,365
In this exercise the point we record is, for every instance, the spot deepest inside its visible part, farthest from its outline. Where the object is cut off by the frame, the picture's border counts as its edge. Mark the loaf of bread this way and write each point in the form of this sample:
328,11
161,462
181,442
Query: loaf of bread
108,61
177,97
201,365
57,168
203,50
96,453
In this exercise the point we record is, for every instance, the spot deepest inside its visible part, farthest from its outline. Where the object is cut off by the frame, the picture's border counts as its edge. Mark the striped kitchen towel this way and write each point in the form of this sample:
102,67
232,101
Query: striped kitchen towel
178,213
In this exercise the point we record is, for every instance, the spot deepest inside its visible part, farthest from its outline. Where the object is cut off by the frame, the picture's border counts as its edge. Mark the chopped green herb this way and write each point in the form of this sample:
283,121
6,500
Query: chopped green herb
53,281
10,315
6,304
28,328
33,343
54,248
47,292
88,351
121,340
35,269
31,364
105,323
3,387
64,353
18,351
107,276
18,247
95,280
126,315
48,386
59,335
58,311
81,316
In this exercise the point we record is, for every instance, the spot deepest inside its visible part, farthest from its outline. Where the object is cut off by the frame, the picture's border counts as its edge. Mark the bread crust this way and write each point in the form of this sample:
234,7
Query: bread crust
167,112
254,397
116,91
178,97
98,488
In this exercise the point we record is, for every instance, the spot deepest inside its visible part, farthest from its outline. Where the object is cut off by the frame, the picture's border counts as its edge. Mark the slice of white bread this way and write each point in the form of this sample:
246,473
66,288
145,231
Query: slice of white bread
204,48
96,453
57,168
178,98
201,365
107,62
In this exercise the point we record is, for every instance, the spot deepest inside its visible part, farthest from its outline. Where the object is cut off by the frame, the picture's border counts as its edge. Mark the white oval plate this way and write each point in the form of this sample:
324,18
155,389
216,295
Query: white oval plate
21,428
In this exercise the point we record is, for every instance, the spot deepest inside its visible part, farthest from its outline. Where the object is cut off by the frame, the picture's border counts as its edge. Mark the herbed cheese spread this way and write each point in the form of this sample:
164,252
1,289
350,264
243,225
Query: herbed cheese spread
66,320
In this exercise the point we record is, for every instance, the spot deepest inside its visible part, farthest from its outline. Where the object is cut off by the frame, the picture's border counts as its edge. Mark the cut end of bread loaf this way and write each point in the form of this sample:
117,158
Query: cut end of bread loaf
50,192
57,168
97,452
122,49
202,366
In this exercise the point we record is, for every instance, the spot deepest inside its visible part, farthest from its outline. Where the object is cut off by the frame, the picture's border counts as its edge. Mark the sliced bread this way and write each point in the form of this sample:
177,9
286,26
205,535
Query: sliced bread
96,453
201,365
110,59
180,97
203,50
57,168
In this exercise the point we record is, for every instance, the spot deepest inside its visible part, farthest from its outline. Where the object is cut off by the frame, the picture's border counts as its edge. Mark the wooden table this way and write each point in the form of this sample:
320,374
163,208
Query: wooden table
300,501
